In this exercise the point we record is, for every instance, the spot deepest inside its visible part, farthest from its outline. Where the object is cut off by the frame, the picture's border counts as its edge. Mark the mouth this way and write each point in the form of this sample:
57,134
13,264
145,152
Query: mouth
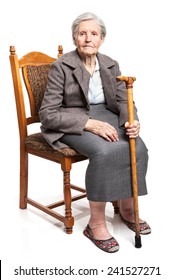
87,46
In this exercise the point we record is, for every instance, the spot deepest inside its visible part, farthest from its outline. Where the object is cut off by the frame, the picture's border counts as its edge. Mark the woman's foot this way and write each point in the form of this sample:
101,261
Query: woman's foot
99,230
126,208
109,245
144,227
96,229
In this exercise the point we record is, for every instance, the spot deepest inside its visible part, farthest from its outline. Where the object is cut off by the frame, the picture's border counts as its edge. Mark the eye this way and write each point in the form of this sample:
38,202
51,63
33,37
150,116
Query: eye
94,33
82,33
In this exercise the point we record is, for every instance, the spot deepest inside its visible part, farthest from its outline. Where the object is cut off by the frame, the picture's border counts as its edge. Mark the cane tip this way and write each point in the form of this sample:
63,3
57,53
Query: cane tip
138,243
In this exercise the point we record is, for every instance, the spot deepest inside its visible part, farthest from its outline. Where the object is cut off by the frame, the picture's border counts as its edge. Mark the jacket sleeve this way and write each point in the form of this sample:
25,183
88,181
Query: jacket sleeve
53,114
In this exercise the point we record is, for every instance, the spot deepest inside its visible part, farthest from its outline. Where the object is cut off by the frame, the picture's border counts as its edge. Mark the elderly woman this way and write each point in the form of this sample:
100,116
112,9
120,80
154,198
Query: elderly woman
84,107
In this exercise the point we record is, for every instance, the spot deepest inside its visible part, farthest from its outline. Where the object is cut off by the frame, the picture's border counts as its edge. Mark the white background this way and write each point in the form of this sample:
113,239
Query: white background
139,37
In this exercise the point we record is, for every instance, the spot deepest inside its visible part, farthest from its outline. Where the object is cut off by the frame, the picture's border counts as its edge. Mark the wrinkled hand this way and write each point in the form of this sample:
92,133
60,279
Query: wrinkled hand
132,130
102,129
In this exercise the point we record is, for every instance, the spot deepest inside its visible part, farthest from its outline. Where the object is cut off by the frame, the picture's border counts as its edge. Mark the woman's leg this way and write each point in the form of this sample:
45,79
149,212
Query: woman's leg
97,222
127,210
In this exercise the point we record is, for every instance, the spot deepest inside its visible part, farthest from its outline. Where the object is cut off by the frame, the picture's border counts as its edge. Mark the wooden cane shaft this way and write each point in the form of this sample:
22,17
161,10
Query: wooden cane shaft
132,142
133,157
134,183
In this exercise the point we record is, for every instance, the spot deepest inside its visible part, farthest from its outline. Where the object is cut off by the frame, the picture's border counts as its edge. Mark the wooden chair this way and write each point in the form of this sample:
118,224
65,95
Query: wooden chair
31,70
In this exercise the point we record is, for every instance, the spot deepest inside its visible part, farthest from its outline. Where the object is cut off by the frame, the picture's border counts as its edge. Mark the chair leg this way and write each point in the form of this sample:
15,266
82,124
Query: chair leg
68,220
116,207
23,179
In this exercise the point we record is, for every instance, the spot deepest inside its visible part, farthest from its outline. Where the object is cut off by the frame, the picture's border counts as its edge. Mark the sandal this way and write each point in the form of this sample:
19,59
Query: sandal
144,227
109,245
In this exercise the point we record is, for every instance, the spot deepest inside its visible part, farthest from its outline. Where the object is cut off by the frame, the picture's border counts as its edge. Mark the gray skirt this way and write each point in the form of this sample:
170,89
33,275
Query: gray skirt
108,175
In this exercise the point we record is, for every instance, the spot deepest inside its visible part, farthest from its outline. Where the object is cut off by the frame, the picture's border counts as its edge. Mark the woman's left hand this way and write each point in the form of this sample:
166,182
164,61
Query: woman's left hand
132,130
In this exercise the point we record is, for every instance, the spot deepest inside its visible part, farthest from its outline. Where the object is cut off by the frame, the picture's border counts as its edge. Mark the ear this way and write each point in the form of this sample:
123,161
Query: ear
74,39
102,40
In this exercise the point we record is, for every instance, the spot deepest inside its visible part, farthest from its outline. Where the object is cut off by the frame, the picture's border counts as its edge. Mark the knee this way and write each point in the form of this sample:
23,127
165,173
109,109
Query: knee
107,152
141,149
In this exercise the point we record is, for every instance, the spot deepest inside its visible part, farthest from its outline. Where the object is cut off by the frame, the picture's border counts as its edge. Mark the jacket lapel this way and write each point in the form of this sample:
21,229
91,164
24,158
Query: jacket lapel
108,80
80,73
82,76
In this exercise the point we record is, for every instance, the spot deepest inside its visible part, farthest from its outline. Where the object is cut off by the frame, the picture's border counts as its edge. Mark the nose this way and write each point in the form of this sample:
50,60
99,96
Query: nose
88,37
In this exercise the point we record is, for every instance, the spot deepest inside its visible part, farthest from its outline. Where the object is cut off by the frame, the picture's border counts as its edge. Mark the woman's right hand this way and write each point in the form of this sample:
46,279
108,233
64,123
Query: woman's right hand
103,129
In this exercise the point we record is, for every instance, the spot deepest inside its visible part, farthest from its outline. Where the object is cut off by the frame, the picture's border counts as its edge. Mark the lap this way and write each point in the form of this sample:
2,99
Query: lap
89,143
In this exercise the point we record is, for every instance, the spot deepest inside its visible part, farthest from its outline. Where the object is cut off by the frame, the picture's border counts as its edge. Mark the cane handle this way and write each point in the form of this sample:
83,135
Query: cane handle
129,86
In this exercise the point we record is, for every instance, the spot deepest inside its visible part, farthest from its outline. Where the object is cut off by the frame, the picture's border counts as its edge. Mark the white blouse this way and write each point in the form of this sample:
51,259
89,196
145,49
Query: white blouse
95,93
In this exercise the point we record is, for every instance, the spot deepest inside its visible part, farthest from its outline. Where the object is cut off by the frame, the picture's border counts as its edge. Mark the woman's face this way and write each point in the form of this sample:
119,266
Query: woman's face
88,39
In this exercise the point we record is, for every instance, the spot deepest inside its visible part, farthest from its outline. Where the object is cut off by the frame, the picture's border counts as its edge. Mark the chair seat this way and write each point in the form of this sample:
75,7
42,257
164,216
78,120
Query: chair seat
37,142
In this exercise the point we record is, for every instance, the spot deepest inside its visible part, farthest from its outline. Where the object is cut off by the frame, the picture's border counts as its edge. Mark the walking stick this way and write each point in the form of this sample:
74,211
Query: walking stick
132,141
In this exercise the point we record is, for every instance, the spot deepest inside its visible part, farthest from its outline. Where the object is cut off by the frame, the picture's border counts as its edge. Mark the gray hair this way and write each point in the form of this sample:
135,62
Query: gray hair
88,16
